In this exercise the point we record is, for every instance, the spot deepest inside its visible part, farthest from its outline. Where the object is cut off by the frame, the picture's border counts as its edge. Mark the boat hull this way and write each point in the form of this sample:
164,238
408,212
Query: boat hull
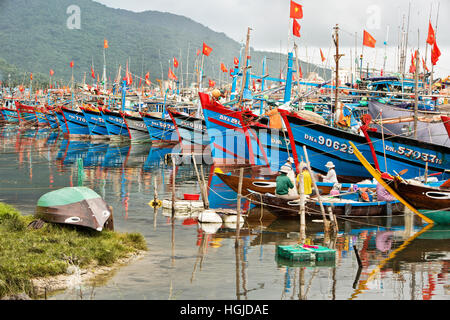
160,130
76,123
96,124
115,124
137,128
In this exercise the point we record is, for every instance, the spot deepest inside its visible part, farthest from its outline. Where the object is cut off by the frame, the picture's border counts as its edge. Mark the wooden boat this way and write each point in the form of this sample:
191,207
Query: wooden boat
78,206
283,208
433,202
250,185
27,114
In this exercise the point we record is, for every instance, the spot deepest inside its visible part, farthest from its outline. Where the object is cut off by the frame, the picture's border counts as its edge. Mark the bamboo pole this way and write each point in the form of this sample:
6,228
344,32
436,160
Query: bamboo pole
238,209
301,188
200,183
205,187
173,188
319,197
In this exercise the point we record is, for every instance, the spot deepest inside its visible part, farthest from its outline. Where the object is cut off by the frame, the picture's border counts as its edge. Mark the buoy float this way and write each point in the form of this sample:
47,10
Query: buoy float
209,216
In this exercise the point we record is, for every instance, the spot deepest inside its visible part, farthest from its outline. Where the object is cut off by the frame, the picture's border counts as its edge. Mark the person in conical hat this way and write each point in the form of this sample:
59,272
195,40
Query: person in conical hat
331,174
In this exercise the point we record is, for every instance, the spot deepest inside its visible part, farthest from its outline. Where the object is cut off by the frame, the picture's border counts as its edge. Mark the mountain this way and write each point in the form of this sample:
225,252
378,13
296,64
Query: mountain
35,37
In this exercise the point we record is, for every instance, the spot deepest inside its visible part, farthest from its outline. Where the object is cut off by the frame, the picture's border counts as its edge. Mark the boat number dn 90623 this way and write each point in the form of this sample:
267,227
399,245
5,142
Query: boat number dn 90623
330,143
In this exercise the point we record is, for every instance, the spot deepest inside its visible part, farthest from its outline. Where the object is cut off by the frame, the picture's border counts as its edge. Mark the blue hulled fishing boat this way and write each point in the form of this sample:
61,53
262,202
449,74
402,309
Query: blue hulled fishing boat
76,122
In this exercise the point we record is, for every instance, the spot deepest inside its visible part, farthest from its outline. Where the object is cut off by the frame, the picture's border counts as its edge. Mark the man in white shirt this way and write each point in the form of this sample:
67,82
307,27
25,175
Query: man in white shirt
331,174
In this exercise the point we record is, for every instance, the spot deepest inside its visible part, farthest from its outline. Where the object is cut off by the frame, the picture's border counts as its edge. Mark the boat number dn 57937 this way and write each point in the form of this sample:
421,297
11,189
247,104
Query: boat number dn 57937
330,143
414,154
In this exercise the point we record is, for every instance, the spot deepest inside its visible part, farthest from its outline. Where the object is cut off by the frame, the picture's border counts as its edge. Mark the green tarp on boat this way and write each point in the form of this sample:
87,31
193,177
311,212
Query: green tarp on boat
79,206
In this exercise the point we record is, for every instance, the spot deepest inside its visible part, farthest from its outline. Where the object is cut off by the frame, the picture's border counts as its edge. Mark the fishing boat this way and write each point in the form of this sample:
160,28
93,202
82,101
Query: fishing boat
398,119
192,131
9,112
27,114
229,135
326,143
136,126
433,202
41,118
77,126
79,206
96,123
115,124
51,118
160,128
61,120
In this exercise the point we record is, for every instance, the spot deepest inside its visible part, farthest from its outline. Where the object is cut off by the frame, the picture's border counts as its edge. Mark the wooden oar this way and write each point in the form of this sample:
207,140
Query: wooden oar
377,175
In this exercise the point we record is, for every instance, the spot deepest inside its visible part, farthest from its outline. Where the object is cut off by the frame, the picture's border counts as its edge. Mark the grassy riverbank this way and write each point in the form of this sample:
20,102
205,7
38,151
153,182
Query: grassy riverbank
26,254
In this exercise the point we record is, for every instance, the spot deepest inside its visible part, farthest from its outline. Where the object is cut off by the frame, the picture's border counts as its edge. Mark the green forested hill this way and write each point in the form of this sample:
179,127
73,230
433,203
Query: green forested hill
34,37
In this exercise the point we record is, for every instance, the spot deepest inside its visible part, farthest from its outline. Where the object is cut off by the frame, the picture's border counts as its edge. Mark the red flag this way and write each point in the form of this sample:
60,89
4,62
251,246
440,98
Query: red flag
198,52
52,72
211,83
71,64
31,76
147,79
296,28
431,36
412,68
435,54
105,44
300,73
368,40
322,56
175,62
296,11
128,77
92,73
206,50
236,61
171,75
147,75
425,65
223,68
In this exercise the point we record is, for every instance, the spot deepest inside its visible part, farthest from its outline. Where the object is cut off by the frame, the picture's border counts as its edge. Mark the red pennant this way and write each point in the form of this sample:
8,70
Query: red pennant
322,56
175,63
236,61
71,64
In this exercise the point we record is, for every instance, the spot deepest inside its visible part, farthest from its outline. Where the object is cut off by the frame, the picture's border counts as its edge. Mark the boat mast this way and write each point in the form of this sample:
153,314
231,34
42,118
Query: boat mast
245,67
432,65
337,57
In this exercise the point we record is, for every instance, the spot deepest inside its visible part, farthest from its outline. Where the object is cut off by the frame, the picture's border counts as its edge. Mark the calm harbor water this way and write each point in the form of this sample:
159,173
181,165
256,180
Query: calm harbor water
189,261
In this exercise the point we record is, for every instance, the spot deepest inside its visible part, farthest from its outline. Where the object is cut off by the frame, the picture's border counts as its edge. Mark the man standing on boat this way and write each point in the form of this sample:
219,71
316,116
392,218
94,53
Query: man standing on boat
274,117
331,174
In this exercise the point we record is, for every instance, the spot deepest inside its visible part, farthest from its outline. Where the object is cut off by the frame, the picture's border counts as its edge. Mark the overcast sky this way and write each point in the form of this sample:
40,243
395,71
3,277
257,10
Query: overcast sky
271,25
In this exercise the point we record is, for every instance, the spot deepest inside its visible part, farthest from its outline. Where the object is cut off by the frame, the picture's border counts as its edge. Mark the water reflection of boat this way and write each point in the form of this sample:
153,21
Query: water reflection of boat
116,155
155,157
431,245
73,150
96,154
52,138
138,154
